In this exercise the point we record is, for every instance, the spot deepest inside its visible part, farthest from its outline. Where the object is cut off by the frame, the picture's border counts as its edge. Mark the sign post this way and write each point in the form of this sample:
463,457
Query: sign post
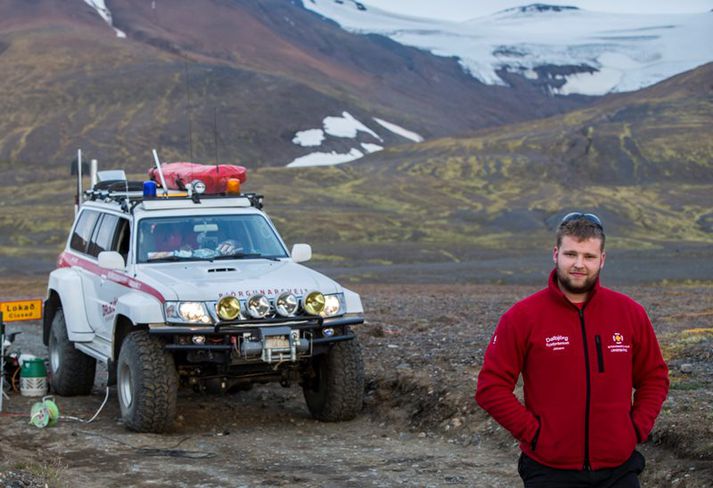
19,310
2,361
15,311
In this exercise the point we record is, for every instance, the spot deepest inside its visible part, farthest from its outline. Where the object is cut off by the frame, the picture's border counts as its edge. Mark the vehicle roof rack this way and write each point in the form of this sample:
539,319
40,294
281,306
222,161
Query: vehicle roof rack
120,185
112,186
128,194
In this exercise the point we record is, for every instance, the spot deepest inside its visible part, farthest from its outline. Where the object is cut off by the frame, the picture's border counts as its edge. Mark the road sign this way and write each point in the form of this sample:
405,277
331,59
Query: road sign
18,310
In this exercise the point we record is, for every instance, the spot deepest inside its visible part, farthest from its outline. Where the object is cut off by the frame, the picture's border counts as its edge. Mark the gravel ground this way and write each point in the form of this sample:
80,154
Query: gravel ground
423,346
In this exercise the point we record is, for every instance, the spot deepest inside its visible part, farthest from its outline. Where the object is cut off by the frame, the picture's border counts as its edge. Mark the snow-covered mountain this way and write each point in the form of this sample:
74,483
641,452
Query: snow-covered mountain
564,47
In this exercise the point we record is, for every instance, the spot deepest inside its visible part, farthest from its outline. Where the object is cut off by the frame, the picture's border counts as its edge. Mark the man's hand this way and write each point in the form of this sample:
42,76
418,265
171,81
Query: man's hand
229,247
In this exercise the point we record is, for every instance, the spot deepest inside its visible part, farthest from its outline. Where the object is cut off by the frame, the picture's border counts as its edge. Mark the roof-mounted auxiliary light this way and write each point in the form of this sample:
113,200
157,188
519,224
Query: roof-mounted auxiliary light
198,187
149,189
232,186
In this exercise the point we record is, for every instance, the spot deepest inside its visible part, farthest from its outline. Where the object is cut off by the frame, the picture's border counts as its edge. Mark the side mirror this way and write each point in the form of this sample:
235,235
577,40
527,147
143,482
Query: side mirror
301,253
111,260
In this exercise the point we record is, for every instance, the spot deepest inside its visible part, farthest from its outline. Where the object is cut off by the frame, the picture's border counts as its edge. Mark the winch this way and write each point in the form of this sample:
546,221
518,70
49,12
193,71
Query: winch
275,344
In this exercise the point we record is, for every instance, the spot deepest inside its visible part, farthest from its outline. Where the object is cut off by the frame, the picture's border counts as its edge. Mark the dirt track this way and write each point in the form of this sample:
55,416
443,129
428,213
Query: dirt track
423,345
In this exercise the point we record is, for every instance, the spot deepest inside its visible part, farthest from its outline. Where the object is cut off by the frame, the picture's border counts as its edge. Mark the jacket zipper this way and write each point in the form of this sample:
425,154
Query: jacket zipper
600,355
588,399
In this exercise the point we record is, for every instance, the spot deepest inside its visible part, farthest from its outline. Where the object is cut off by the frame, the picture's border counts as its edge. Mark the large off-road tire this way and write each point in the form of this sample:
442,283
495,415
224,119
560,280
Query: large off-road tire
334,390
72,372
147,384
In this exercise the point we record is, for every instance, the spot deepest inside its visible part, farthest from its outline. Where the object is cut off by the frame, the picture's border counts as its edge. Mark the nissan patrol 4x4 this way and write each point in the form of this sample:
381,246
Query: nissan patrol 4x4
187,289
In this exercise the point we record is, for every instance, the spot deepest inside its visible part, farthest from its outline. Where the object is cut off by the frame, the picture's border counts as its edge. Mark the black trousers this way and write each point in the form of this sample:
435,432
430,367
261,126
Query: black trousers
536,475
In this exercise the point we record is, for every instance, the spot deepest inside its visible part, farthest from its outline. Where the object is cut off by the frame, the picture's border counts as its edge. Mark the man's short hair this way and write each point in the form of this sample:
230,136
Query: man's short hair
581,229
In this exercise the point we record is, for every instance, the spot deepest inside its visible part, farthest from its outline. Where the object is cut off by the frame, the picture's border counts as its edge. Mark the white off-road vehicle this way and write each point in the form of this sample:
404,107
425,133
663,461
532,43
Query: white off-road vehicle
189,289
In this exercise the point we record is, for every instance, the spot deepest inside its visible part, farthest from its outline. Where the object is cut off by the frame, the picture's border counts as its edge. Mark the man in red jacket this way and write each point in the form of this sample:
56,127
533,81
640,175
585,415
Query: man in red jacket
581,349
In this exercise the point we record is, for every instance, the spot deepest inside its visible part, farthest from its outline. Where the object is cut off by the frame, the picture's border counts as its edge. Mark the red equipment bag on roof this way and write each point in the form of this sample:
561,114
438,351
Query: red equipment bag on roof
215,177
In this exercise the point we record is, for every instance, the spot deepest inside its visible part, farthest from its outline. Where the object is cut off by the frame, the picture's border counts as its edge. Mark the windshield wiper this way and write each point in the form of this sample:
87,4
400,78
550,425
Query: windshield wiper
165,259
245,255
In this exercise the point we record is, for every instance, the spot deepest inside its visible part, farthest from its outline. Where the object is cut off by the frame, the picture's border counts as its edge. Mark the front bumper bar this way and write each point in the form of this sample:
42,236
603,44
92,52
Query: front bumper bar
232,328
274,340
228,347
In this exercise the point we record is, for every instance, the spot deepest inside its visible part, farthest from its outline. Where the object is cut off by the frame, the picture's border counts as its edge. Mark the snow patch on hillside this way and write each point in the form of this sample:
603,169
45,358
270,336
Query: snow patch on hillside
105,13
399,130
325,159
309,137
370,148
345,126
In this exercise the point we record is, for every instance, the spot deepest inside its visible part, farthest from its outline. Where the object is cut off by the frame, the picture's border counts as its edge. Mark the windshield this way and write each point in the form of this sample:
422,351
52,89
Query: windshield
207,238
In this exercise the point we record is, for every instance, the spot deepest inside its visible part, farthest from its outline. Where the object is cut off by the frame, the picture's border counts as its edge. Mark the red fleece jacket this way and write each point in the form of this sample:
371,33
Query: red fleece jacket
579,369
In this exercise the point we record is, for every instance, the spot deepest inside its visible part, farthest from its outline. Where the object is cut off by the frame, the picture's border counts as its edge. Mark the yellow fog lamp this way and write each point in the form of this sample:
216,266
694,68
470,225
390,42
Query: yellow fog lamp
228,308
314,303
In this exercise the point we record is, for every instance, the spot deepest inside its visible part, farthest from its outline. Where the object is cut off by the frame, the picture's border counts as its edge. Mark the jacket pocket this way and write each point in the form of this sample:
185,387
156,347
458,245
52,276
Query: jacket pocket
533,444
639,439
600,353
612,436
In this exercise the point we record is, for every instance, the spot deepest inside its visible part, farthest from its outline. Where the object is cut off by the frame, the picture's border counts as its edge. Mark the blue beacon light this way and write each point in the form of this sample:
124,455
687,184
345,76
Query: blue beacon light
149,189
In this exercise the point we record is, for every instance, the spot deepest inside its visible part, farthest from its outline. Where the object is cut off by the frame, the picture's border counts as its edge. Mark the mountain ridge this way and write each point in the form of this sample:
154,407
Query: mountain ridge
248,74
497,193
564,49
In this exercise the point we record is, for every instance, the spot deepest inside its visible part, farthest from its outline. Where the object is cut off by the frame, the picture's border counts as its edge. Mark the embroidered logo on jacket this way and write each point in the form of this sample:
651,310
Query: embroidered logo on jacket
557,342
618,346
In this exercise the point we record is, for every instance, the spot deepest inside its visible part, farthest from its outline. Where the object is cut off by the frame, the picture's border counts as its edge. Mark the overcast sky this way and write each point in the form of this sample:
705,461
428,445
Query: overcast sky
468,9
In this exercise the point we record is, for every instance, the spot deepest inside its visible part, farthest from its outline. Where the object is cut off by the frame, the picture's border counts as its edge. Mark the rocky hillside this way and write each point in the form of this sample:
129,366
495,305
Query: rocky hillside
229,80
641,161
661,134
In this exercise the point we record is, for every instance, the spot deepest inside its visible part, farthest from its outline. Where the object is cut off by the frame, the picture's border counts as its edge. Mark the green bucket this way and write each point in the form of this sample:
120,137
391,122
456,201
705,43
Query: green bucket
33,377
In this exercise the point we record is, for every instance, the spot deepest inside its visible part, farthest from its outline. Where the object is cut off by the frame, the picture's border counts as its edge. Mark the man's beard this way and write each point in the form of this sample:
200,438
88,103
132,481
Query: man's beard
566,282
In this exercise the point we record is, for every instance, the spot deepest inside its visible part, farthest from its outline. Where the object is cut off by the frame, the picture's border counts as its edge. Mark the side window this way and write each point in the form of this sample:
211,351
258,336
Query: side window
83,231
103,237
123,238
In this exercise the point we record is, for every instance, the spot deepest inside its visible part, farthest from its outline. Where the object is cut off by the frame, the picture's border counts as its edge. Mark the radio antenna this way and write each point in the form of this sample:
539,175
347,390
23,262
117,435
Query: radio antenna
188,105
215,133
78,203
160,173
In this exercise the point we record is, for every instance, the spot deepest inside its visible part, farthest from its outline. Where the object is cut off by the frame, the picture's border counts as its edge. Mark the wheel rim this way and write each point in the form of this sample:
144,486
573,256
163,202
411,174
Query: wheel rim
54,356
124,387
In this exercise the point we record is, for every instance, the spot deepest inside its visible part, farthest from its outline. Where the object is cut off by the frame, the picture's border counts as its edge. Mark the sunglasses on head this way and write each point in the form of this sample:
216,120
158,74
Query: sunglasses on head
590,217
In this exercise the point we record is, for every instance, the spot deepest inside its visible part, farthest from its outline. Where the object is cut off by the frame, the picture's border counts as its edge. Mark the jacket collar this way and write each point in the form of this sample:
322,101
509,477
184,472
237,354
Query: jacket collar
555,290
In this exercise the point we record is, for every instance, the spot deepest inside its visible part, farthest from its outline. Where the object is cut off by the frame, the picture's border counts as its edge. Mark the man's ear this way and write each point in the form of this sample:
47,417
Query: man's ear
555,251
604,258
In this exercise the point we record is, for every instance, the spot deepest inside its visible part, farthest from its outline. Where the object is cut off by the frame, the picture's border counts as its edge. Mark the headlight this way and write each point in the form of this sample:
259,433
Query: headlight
228,308
286,304
191,312
258,306
332,305
314,303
